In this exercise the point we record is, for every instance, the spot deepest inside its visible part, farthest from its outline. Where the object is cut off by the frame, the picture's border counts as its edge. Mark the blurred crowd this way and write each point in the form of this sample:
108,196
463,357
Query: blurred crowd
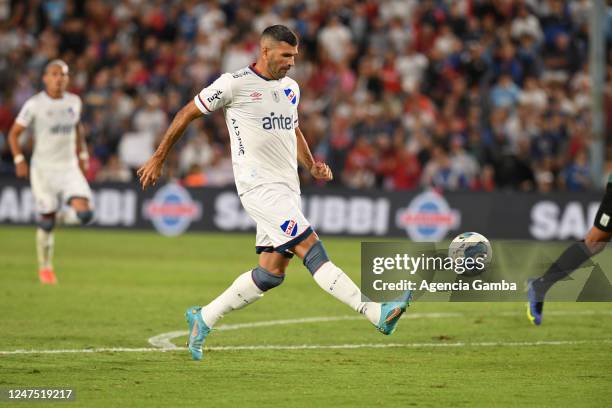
396,94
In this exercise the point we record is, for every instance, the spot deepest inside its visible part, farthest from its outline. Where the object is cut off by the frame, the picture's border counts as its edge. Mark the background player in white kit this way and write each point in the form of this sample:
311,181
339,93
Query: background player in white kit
260,106
58,161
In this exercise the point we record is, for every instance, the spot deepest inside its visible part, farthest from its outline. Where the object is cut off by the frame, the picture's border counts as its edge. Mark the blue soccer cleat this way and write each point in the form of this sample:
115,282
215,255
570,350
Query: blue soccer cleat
535,307
390,313
198,330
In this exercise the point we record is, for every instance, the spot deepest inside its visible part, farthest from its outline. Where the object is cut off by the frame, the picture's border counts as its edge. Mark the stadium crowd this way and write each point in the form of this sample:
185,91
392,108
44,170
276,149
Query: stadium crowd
397,94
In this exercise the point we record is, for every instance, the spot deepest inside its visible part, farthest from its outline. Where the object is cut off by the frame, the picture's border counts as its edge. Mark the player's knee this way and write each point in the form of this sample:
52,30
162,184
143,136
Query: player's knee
46,224
266,280
85,216
597,235
315,257
595,243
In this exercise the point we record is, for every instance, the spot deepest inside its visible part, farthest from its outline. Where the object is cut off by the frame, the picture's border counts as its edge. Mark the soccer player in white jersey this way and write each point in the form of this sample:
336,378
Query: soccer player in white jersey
58,161
260,106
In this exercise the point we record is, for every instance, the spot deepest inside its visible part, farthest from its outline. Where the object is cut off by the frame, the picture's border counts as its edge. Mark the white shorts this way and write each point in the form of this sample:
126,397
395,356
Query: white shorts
52,188
277,210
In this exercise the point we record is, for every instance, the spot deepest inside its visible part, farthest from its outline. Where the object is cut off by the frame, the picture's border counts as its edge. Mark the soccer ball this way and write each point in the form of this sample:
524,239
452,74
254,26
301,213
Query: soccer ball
470,245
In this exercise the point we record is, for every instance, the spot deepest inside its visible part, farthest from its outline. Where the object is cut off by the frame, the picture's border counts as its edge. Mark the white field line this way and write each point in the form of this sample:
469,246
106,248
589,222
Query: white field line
317,347
162,342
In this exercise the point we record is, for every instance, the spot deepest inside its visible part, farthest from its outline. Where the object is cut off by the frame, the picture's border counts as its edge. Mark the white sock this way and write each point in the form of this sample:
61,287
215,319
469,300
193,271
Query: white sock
44,248
67,216
241,293
335,282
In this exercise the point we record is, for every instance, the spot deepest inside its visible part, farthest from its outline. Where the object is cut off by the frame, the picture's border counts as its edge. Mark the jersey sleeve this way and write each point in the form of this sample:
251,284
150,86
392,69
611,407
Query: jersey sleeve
296,122
216,95
26,114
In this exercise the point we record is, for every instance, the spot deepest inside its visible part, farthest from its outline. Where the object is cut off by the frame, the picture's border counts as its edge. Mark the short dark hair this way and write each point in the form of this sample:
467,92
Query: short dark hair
280,32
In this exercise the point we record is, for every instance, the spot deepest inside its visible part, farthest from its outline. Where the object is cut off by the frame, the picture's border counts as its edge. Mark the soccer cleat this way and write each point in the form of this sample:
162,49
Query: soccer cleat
197,331
390,313
46,276
535,309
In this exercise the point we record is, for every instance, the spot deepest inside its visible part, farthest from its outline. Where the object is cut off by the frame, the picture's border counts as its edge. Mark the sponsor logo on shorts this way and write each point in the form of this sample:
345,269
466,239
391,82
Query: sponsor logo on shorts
172,210
604,220
290,228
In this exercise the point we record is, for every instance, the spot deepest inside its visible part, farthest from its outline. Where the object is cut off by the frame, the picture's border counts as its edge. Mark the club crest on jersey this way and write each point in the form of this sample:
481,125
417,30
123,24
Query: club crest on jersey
290,228
275,96
291,95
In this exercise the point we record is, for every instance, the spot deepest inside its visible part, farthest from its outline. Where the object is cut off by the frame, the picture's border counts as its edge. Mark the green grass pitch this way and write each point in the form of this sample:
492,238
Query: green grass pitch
118,289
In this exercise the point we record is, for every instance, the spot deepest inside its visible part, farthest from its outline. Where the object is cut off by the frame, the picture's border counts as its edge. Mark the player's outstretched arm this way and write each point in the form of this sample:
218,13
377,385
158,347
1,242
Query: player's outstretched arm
81,149
21,166
150,172
318,170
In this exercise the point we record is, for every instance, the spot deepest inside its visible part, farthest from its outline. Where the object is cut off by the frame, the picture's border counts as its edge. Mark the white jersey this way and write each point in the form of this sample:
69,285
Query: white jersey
261,116
53,122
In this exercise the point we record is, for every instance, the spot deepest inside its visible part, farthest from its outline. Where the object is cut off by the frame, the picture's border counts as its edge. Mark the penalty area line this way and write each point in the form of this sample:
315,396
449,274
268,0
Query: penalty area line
317,347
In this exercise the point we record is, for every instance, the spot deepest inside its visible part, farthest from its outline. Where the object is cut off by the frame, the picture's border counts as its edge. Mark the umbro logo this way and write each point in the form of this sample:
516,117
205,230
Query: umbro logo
256,96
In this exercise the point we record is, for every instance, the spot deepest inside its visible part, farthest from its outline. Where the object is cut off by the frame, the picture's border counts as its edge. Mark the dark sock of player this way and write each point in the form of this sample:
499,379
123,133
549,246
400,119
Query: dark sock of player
574,256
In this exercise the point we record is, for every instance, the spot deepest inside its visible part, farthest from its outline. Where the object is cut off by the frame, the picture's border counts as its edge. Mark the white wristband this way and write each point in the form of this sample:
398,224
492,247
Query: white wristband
84,155
18,159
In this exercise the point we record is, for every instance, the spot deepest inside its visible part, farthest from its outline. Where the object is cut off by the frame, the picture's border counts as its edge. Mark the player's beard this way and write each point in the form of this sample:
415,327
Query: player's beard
280,72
